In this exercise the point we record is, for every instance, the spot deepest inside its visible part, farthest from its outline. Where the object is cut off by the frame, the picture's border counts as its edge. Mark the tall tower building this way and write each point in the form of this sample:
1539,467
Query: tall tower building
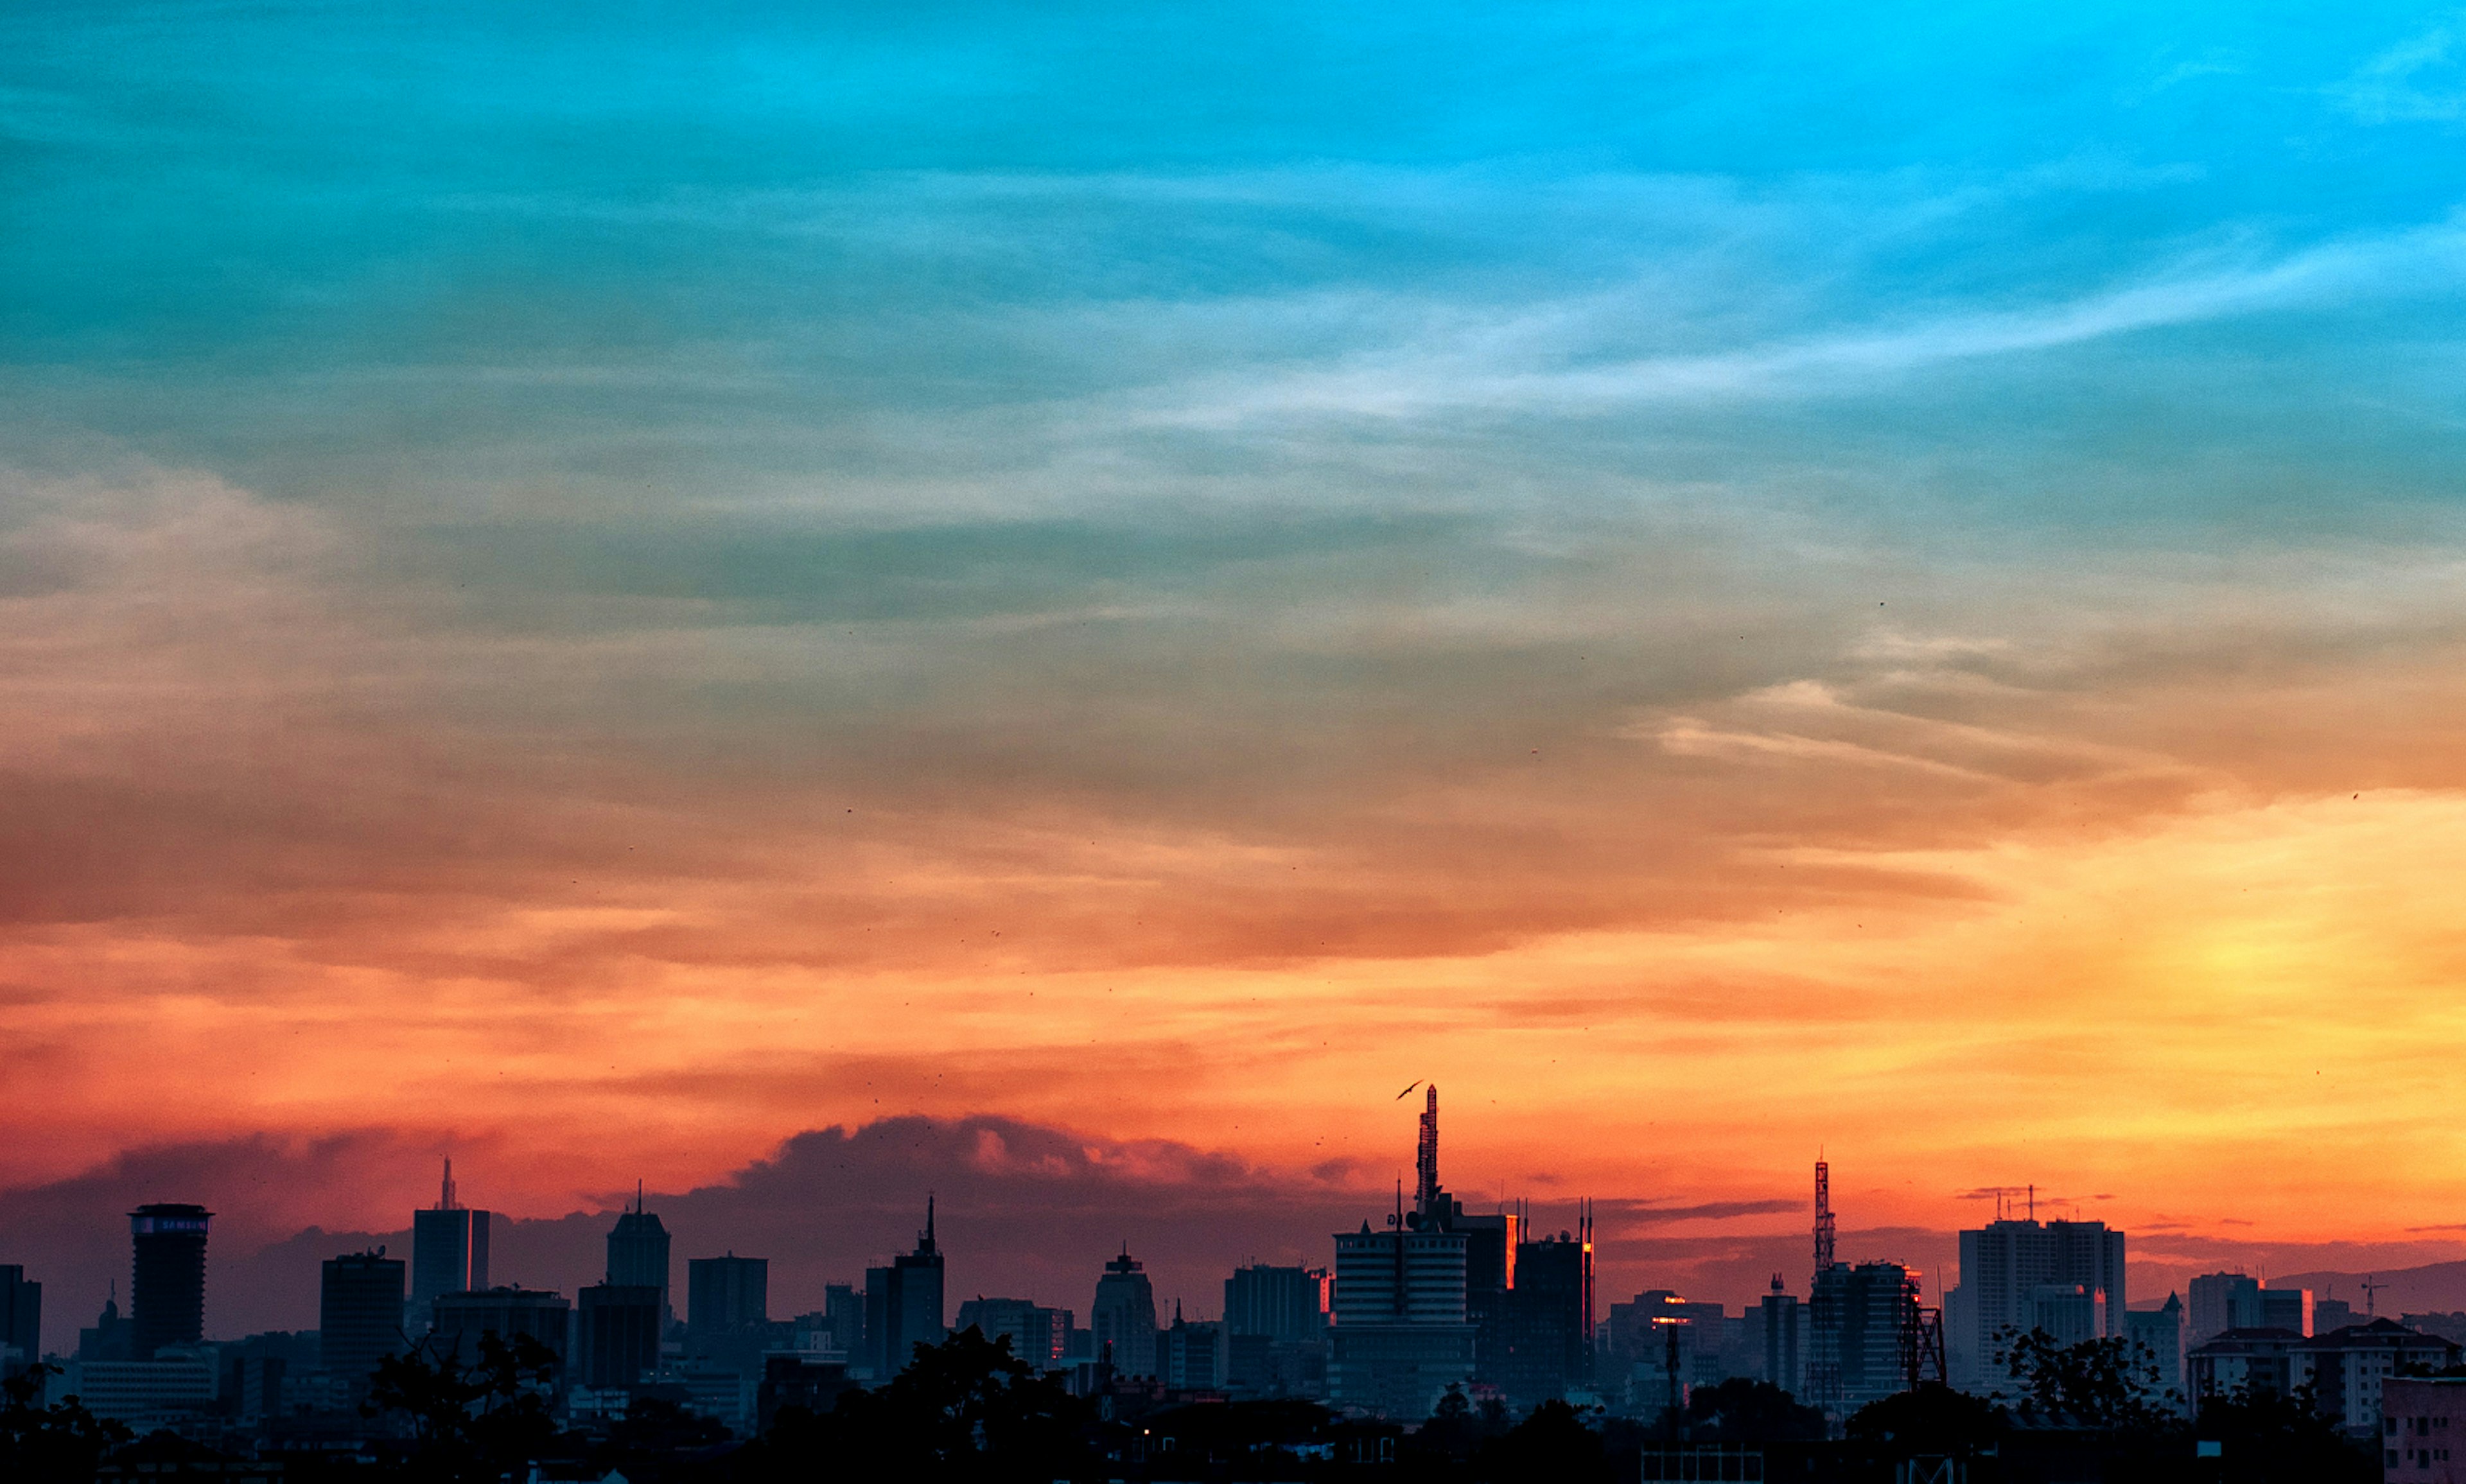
449,1252
359,1315
21,1318
2012,1274
166,1296
1124,1317
904,1305
725,1295
637,1250
1403,1333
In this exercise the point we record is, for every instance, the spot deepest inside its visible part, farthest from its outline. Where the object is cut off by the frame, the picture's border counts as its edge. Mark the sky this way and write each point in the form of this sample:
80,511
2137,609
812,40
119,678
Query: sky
623,591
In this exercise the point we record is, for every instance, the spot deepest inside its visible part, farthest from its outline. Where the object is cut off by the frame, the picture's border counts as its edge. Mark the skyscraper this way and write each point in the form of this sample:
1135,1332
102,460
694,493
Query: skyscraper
462,1318
1544,1344
904,1305
1124,1317
449,1251
21,1318
167,1295
724,1296
637,1251
2013,1273
1280,1303
1401,1336
359,1313
616,1333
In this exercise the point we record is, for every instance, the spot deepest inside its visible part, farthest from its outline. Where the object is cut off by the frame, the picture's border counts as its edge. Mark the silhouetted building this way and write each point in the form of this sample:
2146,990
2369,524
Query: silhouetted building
1781,1333
1400,1334
2160,1333
2014,1271
1122,1321
167,1295
147,1394
1193,1359
616,1333
359,1315
1275,1331
449,1251
1541,1345
2287,1309
2346,1370
843,1311
727,1305
107,1339
1280,1303
794,1381
21,1320
1037,1334
2223,1301
505,1312
903,1306
1854,1332
638,1252
2332,1314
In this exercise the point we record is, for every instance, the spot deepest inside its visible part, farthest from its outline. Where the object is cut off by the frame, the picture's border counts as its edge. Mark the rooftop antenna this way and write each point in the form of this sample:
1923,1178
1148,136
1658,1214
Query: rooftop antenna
637,1198
1425,1194
445,1192
1823,1216
2033,1202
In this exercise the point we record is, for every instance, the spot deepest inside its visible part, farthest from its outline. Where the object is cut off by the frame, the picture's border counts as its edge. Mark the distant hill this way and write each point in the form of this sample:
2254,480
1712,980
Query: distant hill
2436,1288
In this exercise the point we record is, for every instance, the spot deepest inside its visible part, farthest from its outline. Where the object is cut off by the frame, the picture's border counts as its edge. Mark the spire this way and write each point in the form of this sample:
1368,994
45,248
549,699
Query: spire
638,1197
925,1239
445,1191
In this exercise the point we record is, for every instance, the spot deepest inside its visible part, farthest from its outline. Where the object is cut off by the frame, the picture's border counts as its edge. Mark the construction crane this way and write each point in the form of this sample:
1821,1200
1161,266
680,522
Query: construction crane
2372,1297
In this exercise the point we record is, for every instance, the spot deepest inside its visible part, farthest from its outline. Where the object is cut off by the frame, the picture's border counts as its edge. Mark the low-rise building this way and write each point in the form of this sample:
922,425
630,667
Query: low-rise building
2423,1430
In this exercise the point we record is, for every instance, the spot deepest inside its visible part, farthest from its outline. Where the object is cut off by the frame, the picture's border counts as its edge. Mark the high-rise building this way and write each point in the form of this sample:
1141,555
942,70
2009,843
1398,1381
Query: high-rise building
460,1320
1037,1334
21,1320
359,1315
637,1251
2223,1301
449,1251
166,1296
904,1304
1543,1344
1280,1303
1781,1330
616,1333
2064,1276
2159,1335
1193,1354
1860,1313
843,1313
107,1339
1123,1319
726,1296
1401,1335
2286,1309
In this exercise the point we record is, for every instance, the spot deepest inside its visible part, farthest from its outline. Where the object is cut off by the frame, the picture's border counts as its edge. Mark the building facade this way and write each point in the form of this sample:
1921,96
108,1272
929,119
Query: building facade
166,1296
1122,1323
21,1320
903,1306
359,1315
449,1251
2423,1430
1400,1334
2017,1274
616,1333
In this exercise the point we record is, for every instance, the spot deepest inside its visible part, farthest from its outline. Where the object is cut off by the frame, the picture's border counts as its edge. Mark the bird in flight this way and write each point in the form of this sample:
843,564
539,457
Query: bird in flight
1408,1091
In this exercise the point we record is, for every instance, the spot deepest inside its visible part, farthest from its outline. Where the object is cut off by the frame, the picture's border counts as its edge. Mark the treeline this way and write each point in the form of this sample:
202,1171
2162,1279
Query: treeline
967,1411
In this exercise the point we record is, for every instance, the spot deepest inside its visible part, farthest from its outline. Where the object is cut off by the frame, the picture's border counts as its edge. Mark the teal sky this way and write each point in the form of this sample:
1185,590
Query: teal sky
637,536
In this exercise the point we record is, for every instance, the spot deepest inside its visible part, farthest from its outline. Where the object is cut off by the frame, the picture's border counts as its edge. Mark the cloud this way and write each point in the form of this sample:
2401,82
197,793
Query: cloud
2419,80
